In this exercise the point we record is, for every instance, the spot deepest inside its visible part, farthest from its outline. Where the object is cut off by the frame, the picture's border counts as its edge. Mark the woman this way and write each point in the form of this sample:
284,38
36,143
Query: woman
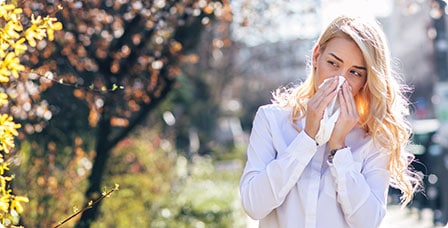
290,180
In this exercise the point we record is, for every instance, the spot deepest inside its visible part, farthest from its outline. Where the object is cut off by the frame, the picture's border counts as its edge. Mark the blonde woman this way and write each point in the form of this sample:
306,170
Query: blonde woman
312,167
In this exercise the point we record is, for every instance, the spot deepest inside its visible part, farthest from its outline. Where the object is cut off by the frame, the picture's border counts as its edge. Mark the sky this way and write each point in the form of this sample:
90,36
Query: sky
277,20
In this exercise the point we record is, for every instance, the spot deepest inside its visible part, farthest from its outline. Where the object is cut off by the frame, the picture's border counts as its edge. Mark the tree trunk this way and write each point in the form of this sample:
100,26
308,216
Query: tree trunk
105,144
187,35
99,166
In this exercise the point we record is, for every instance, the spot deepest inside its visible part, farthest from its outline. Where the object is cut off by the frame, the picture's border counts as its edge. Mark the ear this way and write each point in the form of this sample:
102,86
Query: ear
316,54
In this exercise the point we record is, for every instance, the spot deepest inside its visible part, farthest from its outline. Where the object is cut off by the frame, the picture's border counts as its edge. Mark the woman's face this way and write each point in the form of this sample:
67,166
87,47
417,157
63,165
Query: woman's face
341,57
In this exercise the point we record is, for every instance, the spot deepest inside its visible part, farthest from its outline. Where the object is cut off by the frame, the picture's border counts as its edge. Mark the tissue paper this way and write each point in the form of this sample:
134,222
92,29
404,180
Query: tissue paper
331,114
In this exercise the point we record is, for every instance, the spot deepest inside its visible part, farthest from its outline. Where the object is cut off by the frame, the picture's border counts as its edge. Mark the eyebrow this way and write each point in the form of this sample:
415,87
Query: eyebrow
340,60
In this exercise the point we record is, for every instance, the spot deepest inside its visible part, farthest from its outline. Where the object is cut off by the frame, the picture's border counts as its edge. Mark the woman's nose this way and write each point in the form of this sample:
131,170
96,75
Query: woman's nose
343,74
345,78
342,79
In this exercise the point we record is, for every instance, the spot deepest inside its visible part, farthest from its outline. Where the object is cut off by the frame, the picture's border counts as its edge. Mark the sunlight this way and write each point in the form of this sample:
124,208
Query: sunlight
260,21
369,8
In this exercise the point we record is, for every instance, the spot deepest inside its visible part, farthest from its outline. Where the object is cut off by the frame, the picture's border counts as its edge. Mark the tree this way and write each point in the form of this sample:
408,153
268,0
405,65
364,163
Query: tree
119,59
197,104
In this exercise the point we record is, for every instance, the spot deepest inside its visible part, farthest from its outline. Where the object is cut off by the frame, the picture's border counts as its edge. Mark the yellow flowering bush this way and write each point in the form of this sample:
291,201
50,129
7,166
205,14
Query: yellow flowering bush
14,42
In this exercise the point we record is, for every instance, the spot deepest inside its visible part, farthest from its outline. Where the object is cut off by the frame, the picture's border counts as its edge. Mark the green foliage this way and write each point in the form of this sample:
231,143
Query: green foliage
43,180
159,188
208,198
194,109
229,152
91,204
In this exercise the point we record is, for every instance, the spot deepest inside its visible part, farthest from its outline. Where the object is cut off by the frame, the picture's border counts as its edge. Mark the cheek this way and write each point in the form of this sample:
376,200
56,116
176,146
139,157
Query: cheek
321,74
318,79
356,87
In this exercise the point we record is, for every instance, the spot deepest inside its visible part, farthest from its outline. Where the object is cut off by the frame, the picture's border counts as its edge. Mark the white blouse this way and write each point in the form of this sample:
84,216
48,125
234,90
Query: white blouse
288,182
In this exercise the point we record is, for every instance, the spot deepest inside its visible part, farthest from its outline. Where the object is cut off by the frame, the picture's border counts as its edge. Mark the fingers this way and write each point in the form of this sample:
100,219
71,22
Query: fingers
347,103
326,92
317,104
327,86
348,116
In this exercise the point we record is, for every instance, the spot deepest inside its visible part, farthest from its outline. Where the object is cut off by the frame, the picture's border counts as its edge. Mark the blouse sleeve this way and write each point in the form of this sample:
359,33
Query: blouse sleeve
361,188
272,167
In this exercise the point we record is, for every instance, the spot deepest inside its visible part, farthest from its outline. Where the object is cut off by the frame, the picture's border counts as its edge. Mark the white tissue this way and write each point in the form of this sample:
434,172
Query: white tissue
331,114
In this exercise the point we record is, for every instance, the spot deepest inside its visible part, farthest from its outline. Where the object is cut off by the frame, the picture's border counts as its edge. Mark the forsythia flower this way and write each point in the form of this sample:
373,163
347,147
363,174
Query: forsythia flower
10,65
19,47
3,98
9,11
40,27
11,29
52,27
13,44
16,203
4,166
8,129
34,31
4,204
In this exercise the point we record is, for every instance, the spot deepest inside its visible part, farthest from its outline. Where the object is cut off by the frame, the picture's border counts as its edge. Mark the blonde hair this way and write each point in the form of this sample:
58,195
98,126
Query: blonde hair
381,103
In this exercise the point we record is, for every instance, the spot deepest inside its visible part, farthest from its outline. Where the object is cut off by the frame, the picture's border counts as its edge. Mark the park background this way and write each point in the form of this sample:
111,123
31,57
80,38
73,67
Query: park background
158,97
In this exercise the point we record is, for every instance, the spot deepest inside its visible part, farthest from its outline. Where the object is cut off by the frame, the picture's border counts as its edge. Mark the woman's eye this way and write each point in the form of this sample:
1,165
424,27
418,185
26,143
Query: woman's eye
356,73
331,63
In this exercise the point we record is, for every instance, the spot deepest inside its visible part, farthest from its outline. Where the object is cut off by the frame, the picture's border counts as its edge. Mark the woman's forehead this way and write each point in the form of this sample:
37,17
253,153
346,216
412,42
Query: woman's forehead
344,49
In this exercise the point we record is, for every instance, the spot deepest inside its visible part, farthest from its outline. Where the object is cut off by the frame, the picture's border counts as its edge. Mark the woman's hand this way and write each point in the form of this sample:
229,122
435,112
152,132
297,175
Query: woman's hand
348,118
317,104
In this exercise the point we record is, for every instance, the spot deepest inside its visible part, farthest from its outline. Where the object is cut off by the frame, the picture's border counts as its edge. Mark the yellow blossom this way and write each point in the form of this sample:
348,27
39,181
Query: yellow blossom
52,27
10,65
40,27
3,98
8,129
5,10
11,15
4,74
4,204
11,31
14,41
19,47
3,47
4,166
34,31
16,203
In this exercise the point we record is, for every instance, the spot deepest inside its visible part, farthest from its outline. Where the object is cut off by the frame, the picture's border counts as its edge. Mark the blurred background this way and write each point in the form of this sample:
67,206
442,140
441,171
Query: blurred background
159,96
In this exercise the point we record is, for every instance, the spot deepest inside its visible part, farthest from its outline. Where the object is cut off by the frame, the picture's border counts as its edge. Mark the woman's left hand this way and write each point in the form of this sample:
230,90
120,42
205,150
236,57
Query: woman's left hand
348,118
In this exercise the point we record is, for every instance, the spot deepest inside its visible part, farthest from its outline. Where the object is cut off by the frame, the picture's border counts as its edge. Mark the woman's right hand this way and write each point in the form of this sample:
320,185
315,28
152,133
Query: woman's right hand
317,104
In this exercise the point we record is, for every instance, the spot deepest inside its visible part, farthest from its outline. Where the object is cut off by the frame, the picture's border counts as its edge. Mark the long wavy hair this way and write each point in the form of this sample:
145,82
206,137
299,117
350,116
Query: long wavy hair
381,103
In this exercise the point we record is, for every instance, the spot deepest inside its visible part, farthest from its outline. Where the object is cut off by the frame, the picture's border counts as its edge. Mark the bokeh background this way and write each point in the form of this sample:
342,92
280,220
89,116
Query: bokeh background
159,96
